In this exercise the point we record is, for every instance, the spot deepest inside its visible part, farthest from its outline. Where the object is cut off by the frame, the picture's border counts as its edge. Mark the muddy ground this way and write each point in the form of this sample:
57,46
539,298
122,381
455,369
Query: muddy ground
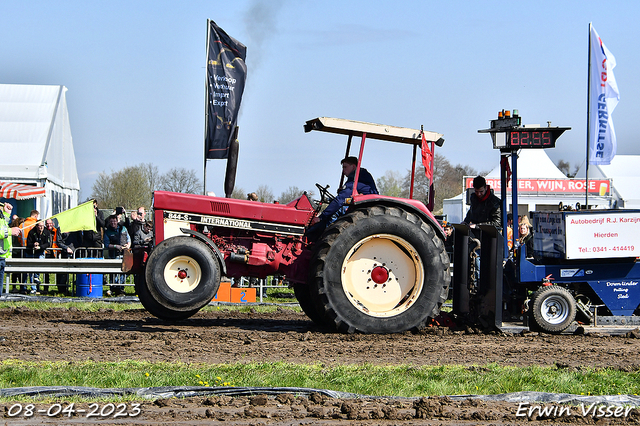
224,336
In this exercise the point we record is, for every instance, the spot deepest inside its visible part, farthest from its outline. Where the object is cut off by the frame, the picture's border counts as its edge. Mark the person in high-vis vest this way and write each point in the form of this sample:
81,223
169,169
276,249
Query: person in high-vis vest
6,234
27,226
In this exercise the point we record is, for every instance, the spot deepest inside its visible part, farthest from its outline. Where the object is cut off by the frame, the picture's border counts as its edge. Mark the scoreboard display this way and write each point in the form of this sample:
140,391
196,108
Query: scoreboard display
531,139
527,137
508,134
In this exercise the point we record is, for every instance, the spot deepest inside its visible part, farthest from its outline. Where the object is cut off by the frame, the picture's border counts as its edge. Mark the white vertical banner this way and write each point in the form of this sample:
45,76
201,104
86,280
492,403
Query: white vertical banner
604,98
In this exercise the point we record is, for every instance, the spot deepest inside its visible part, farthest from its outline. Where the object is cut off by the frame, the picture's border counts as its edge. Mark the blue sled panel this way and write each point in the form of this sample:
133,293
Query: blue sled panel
617,283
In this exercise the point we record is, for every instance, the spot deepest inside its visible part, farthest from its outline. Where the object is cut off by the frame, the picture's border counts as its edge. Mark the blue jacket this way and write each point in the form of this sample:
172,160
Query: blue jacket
366,185
116,237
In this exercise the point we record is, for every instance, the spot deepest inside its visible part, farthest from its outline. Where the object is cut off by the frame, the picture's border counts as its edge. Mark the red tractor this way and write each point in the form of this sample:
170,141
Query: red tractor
379,268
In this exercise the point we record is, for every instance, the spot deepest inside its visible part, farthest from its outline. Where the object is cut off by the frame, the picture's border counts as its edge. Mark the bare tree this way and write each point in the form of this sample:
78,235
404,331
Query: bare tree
390,184
447,181
265,194
128,187
575,171
101,189
291,194
238,193
420,185
565,168
153,176
180,180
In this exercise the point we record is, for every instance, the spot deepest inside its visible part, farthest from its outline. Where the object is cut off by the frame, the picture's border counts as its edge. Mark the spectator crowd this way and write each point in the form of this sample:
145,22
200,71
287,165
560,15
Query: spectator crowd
31,237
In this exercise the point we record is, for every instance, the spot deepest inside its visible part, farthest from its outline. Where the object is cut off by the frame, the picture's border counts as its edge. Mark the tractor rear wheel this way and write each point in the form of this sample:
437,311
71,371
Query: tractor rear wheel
379,270
553,308
182,276
305,296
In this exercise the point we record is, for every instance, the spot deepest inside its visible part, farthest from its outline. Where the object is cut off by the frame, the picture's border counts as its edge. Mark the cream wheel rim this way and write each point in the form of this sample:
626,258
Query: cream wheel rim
382,275
182,274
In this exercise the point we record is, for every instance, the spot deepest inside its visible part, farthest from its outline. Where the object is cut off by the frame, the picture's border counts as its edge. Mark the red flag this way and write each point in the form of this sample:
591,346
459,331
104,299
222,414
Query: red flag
427,157
504,162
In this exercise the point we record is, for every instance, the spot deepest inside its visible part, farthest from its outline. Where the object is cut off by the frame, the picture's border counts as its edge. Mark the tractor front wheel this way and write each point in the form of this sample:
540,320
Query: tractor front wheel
182,276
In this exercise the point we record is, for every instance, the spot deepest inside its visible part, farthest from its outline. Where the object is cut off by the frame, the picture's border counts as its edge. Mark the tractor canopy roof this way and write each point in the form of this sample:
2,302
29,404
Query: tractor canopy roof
372,131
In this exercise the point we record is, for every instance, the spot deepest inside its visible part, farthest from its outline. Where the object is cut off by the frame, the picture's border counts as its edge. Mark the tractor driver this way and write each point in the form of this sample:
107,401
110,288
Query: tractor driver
366,185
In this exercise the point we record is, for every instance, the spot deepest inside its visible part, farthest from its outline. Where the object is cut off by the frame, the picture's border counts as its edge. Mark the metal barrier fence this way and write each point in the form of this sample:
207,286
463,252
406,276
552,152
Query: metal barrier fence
57,253
21,267
87,260
261,285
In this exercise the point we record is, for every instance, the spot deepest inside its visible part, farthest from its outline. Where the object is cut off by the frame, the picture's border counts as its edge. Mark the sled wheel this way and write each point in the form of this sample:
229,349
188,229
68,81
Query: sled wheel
554,309
305,295
182,276
380,270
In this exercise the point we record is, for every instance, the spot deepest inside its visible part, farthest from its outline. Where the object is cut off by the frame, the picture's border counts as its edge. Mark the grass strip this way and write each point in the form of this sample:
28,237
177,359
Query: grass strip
366,379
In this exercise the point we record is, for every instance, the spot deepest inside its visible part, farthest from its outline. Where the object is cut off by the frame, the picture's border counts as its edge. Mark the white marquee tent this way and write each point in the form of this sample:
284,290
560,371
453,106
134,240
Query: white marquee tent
625,175
535,170
37,148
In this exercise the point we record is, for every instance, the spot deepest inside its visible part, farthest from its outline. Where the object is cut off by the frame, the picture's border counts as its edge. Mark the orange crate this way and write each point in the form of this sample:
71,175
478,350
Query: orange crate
224,293
243,295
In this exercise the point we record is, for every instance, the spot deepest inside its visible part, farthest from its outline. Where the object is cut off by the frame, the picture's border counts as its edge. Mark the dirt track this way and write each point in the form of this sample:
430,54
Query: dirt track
223,336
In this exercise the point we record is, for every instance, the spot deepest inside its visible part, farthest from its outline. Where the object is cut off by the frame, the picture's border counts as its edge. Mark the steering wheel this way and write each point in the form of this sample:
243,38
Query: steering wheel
325,196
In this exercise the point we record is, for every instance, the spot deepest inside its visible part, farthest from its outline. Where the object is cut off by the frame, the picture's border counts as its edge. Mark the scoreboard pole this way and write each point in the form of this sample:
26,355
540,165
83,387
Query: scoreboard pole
509,136
514,196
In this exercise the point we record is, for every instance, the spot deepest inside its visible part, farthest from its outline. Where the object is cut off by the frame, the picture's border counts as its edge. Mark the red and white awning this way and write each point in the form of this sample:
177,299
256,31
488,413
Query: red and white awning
20,191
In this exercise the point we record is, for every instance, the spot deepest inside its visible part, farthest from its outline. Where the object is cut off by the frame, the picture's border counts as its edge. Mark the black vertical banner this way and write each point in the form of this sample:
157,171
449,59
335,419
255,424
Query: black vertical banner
226,74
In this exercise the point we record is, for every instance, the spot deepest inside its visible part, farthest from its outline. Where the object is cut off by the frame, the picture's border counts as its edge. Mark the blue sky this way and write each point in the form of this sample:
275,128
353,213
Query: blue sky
135,74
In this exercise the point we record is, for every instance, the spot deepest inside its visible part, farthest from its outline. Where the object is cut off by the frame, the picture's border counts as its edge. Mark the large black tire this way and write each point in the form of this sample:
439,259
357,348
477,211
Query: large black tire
182,276
153,307
379,270
553,309
305,296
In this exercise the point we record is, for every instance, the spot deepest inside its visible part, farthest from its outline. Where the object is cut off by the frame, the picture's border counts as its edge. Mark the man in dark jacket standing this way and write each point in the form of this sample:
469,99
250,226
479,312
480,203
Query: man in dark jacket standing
485,206
485,210
38,242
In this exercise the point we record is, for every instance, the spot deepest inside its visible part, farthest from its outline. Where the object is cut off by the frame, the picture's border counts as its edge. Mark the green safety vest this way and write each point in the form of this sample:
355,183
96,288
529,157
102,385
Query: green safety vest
6,240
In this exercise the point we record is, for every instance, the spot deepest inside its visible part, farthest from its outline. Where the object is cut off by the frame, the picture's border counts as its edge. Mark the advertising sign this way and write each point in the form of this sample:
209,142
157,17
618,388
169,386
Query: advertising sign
608,234
226,75
548,234
601,187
